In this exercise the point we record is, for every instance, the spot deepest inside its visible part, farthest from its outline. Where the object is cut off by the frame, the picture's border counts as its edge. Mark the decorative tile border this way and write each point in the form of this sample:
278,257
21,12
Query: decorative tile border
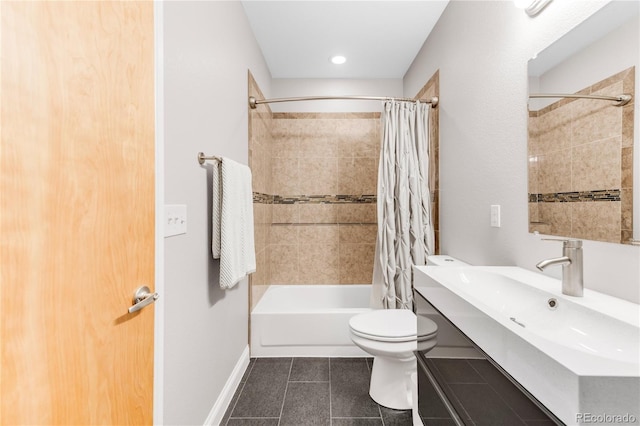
261,198
572,197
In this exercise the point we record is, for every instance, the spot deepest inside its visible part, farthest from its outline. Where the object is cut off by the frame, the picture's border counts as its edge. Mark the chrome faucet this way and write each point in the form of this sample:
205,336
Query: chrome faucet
571,261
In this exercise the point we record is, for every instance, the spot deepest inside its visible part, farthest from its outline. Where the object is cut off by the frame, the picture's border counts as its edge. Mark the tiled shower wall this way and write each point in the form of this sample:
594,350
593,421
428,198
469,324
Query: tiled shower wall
581,165
314,183
316,236
430,90
260,141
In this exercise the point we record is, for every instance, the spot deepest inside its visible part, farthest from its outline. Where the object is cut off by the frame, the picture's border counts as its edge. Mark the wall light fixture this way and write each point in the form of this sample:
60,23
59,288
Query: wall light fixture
532,7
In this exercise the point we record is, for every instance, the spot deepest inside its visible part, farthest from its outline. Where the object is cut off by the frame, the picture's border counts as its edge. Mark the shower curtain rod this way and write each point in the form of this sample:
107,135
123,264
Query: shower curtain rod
619,100
253,102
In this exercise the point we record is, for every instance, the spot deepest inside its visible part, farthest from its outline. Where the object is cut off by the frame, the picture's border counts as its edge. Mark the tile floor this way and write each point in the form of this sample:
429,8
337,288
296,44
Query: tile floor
481,394
309,391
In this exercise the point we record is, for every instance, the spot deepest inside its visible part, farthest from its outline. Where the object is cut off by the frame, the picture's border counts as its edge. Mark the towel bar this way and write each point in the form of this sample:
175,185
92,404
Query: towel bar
202,158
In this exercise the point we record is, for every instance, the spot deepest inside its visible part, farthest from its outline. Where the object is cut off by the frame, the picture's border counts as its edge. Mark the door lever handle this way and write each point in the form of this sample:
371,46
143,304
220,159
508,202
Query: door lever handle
141,298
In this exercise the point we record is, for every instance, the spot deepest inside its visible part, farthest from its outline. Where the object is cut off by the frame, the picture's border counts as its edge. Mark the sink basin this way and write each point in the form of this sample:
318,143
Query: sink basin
575,355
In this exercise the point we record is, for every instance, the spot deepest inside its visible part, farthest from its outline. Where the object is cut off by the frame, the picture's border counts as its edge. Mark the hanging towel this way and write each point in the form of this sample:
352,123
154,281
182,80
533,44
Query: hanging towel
232,222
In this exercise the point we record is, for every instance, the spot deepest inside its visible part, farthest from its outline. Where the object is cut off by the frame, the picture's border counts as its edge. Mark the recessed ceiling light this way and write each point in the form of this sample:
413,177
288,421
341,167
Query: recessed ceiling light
338,60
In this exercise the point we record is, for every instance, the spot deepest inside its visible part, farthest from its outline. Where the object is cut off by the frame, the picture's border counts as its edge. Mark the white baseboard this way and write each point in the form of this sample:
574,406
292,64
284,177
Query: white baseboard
220,407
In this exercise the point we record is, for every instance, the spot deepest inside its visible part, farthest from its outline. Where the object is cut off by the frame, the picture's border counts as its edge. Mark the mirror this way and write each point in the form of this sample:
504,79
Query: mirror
581,150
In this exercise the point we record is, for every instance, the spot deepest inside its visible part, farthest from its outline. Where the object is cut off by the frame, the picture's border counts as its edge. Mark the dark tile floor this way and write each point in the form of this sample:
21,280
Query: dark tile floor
309,391
481,394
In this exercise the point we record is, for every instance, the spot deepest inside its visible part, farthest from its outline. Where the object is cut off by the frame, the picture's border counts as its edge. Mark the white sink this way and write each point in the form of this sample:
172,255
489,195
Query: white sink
581,357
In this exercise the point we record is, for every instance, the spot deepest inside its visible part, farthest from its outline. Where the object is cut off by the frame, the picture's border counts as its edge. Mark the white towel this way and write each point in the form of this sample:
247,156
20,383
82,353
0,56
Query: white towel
232,222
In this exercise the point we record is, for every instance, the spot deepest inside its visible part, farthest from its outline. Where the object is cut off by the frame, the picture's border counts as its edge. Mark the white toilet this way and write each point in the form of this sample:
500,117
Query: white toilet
390,336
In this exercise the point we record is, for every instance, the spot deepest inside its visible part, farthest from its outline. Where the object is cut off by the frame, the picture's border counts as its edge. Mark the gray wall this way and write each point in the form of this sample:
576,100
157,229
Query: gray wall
295,87
617,50
208,48
482,49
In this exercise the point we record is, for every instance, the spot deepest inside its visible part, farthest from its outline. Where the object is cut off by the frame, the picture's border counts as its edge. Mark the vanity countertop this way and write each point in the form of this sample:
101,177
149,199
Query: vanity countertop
575,354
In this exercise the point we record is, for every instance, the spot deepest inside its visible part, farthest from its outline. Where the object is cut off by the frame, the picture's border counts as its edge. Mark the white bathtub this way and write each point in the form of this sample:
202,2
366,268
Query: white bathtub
307,320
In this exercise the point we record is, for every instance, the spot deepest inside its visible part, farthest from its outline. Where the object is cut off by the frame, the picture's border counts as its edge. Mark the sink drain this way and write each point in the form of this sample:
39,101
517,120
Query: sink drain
552,303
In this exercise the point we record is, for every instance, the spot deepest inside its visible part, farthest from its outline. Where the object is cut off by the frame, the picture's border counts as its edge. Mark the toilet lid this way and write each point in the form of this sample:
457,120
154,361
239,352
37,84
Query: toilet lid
392,324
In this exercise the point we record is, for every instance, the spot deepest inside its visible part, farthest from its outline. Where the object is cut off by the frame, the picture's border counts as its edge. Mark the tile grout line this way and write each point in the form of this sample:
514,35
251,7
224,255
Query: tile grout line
500,395
255,418
370,418
330,408
241,389
380,411
284,397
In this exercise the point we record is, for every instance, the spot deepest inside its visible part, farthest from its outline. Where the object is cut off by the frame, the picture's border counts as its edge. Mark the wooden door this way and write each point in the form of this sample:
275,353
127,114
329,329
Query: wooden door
76,211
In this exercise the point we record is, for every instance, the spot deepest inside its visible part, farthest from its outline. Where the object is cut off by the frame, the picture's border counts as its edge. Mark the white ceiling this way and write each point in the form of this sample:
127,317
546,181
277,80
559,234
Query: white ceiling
379,38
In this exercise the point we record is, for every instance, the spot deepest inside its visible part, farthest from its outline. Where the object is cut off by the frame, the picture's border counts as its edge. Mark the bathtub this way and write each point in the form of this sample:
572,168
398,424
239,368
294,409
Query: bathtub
307,320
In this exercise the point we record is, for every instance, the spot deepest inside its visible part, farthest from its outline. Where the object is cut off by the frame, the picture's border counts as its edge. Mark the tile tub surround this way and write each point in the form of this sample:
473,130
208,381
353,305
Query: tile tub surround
581,165
322,253
260,141
309,391
318,172
429,90
325,153
322,198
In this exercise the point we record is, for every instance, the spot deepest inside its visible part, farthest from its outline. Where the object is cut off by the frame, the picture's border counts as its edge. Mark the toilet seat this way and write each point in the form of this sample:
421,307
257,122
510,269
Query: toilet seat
392,325
391,337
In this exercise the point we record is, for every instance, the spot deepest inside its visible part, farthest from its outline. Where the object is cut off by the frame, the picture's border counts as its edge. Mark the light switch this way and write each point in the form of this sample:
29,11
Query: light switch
495,215
175,222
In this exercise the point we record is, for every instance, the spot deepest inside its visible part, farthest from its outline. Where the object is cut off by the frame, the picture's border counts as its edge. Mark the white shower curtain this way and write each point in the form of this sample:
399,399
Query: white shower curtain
405,228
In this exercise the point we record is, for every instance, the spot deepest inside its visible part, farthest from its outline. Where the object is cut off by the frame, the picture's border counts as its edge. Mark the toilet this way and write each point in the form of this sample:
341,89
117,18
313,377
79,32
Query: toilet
390,336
